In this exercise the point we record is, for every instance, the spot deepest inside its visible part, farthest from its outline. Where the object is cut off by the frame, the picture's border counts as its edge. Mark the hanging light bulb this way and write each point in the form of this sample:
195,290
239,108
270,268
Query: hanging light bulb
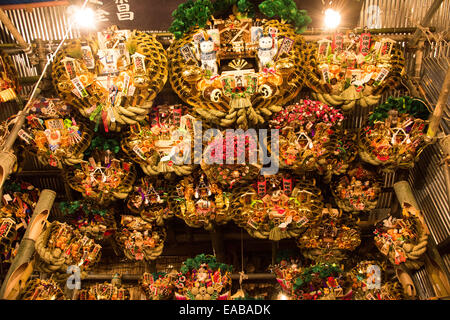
83,18
332,19
282,296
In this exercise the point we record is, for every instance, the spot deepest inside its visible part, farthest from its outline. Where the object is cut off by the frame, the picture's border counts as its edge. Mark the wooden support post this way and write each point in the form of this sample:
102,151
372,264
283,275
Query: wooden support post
436,117
426,20
22,265
419,58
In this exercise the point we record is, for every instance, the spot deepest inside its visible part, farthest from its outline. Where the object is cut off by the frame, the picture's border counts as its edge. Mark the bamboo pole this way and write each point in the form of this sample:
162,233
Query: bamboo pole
7,157
436,117
22,265
433,262
15,33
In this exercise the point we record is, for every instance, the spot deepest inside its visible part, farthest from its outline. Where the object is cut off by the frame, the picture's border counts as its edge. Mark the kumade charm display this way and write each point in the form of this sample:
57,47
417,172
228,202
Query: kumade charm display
395,134
238,72
103,177
358,190
111,77
60,246
42,289
277,207
18,202
139,239
164,144
104,291
231,159
52,133
316,282
403,240
203,278
354,69
311,138
158,286
151,199
201,203
368,283
331,238
91,219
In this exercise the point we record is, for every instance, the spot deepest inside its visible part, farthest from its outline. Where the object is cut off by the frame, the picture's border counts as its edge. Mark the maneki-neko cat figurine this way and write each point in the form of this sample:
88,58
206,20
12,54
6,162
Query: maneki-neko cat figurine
53,134
111,77
395,134
354,69
164,144
238,72
201,203
277,207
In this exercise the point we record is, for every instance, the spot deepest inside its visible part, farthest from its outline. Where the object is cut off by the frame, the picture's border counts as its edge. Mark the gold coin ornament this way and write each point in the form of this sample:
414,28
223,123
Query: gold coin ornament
150,198
201,203
395,134
203,278
42,289
18,202
368,284
53,134
164,144
9,84
111,77
60,246
140,240
158,286
331,238
95,221
231,159
358,190
104,291
354,69
240,71
104,177
403,240
277,207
